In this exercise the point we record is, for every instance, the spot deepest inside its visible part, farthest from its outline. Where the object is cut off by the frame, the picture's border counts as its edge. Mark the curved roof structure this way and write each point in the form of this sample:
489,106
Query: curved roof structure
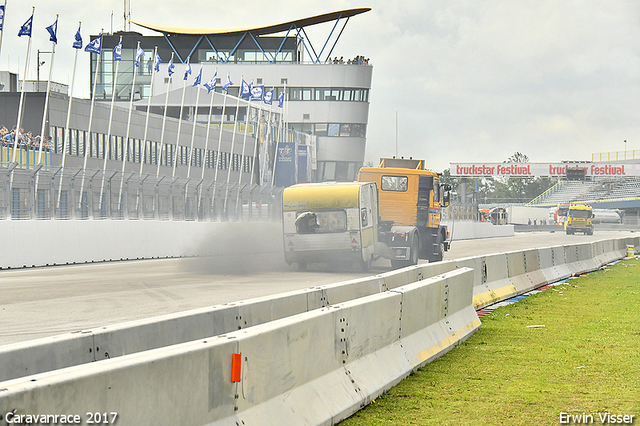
270,29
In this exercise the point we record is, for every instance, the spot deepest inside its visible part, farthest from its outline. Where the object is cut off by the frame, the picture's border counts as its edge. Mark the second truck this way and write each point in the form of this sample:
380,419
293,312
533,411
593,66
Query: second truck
393,211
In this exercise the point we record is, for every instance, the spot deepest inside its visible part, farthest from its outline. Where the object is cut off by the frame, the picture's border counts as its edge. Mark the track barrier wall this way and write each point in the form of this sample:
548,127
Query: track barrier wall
443,321
317,367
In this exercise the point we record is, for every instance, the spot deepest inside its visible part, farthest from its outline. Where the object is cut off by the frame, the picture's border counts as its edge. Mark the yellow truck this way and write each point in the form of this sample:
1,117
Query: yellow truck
579,219
393,211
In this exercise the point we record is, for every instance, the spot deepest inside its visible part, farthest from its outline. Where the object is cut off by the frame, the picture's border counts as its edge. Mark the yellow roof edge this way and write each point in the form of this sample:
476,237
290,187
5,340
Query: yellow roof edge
269,29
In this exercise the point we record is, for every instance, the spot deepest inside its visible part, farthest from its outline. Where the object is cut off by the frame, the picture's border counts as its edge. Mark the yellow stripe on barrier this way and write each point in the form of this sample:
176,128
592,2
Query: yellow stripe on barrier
493,296
448,341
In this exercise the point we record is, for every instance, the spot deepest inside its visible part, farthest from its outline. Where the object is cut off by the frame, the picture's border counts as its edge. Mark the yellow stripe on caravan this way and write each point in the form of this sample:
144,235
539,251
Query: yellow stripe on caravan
448,341
488,297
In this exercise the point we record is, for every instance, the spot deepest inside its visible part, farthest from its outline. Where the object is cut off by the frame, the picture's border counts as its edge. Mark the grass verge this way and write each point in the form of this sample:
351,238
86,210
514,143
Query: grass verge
585,360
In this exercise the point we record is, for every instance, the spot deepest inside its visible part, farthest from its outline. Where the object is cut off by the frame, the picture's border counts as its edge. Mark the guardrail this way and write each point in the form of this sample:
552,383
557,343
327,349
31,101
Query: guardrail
328,355
322,344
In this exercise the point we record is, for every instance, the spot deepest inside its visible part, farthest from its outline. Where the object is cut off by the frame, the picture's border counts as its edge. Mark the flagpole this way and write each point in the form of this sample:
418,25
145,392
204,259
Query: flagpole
4,8
107,153
164,118
266,157
66,126
146,128
193,131
253,163
216,167
206,143
126,138
24,81
244,144
280,136
46,99
184,89
146,122
87,147
244,140
233,139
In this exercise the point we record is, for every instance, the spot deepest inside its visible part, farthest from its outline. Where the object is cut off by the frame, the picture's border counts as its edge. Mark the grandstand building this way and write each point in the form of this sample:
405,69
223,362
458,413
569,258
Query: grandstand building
192,155
324,99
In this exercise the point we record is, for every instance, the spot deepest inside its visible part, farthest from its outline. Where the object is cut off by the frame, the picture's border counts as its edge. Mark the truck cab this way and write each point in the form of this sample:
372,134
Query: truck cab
579,219
410,203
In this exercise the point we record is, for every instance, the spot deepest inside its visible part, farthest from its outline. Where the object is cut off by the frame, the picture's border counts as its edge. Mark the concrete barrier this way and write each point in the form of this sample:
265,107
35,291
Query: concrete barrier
52,353
552,264
491,281
524,270
312,368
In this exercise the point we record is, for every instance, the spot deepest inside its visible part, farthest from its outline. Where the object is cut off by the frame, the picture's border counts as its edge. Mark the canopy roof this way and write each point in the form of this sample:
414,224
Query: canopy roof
270,29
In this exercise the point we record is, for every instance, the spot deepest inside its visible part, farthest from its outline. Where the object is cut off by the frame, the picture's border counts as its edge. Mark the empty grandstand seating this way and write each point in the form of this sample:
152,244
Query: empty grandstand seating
606,189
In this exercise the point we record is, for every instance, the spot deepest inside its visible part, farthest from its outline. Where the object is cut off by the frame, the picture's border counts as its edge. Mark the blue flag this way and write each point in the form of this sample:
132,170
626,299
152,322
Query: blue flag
139,53
225,86
117,52
1,17
245,89
156,63
211,84
187,70
281,100
256,93
268,97
77,44
94,46
170,67
53,30
198,78
26,28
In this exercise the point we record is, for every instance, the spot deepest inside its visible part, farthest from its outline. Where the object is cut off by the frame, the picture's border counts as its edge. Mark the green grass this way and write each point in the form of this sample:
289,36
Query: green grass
585,360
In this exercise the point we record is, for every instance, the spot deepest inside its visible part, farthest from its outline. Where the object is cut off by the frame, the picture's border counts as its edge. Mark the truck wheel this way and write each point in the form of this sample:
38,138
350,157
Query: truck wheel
302,266
415,250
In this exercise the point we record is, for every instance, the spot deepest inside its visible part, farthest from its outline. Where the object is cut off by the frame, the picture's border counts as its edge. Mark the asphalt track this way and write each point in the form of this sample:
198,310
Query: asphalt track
40,302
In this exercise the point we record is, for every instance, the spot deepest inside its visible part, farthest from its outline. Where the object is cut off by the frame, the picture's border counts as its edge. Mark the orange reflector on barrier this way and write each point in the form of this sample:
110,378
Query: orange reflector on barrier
236,367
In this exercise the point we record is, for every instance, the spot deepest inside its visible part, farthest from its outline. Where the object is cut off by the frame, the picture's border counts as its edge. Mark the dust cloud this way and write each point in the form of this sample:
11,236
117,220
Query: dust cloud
237,248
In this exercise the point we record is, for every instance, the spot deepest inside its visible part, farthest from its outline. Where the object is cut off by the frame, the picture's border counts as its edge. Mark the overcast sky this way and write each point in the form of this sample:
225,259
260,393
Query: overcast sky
471,81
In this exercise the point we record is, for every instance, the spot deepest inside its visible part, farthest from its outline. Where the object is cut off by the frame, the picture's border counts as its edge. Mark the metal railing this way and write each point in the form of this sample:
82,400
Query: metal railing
616,155
45,193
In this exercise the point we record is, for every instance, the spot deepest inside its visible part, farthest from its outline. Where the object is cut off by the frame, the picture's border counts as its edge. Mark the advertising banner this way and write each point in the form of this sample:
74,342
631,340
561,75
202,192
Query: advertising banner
303,161
285,164
543,169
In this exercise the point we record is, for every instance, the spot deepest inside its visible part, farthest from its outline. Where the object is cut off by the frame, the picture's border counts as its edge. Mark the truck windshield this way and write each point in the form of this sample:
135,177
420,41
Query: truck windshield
326,221
580,214
395,183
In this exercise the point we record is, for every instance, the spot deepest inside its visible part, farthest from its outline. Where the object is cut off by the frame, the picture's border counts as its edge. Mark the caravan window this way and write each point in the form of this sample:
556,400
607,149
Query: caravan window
327,221
395,183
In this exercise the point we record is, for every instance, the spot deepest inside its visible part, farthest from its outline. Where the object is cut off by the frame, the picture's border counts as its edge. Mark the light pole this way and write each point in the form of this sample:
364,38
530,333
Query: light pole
40,63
